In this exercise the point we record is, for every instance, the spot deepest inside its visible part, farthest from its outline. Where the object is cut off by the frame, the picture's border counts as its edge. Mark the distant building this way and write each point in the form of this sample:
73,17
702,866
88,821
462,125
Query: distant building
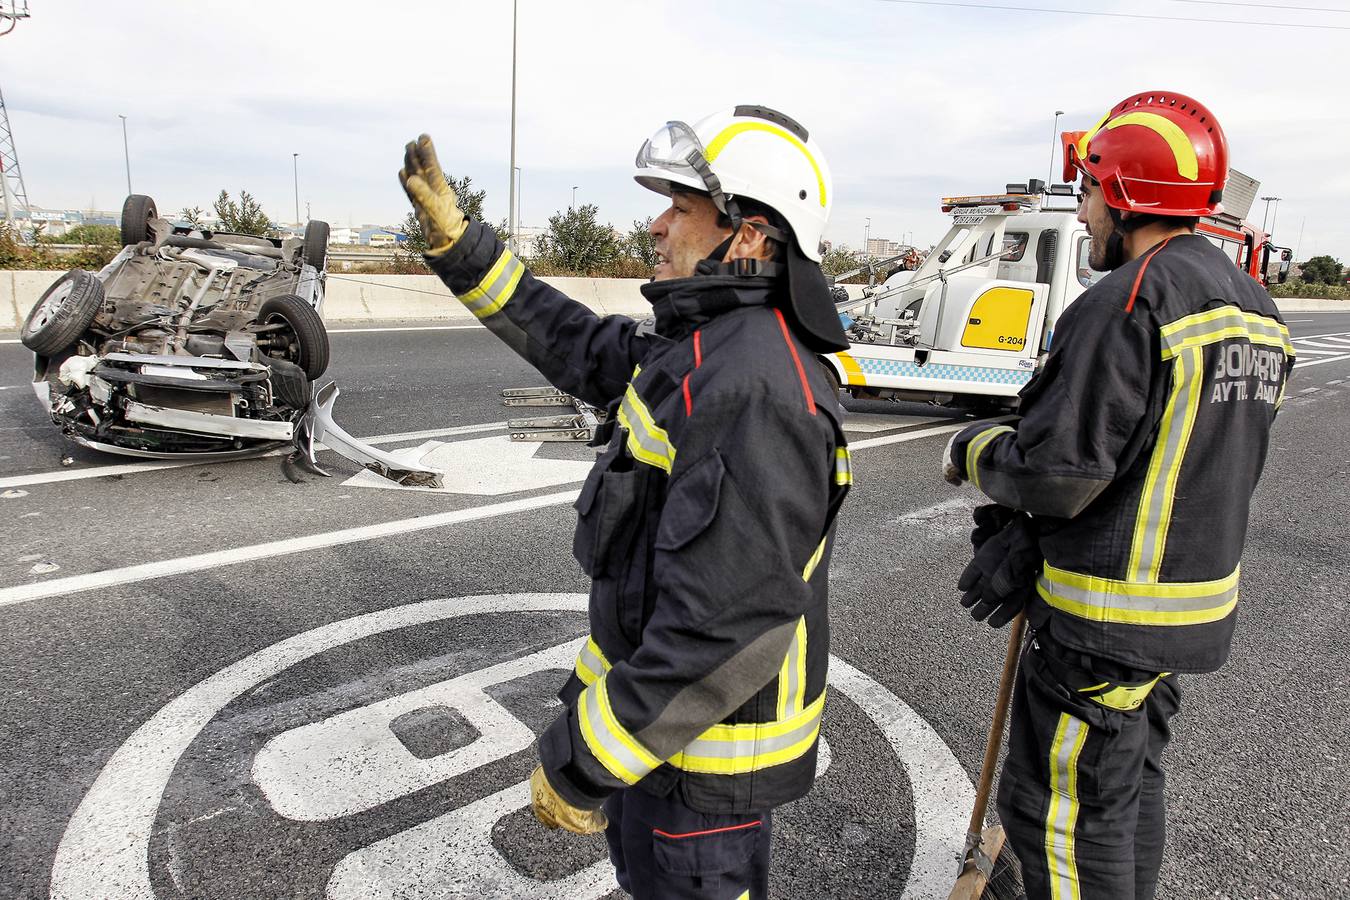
380,237
882,248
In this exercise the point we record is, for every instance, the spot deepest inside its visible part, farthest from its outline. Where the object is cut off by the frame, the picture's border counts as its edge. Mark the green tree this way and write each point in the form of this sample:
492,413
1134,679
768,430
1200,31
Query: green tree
244,217
470,201
838,258
1322,270
577,243
192,217
86,234
639,245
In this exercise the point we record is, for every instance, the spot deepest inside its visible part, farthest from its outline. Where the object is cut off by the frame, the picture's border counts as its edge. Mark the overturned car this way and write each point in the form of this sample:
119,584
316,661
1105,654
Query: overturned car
193,343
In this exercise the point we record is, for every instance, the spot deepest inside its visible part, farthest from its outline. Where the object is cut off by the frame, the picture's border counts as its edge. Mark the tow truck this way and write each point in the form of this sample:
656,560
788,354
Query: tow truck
972,324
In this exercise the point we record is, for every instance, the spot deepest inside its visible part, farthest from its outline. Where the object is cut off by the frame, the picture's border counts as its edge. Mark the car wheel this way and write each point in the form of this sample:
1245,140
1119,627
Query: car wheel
316,244
831,376
303,340
137,212
62,313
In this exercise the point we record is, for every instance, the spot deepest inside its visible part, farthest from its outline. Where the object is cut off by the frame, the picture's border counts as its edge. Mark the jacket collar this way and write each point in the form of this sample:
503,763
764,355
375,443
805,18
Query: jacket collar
683,304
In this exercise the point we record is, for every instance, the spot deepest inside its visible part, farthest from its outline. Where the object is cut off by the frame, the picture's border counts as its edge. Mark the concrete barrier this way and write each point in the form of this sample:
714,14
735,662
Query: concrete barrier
392,298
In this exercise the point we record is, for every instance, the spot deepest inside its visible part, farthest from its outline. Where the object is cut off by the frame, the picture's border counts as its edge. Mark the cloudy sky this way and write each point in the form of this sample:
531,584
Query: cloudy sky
910,101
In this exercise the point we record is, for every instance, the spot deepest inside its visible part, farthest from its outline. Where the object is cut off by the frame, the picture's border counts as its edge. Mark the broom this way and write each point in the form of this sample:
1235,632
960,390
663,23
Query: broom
989,870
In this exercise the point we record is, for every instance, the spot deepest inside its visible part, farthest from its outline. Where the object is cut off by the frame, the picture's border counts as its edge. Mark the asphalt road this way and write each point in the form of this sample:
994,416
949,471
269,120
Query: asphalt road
233,681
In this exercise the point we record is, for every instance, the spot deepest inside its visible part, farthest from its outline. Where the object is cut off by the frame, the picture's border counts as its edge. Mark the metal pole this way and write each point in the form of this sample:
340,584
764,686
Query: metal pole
574,197
1054,140
511,203
1299,242
295,169
1275,215
126,152
1266,214
867,233
518,192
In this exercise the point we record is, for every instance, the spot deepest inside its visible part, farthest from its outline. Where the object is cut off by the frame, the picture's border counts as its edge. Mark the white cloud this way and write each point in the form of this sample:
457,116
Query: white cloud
910,102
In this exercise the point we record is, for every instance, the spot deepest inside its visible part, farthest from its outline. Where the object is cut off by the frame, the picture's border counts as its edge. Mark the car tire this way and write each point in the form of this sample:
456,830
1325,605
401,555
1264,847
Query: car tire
137,211
308,344
316,244
63,313
831,377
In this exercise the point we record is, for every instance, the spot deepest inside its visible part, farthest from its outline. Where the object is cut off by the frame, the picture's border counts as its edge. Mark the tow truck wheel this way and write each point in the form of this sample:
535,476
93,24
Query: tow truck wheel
137,211
302,339
62,313
831,376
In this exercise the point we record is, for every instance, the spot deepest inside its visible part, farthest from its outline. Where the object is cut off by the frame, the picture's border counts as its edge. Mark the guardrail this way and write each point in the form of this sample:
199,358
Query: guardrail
333,253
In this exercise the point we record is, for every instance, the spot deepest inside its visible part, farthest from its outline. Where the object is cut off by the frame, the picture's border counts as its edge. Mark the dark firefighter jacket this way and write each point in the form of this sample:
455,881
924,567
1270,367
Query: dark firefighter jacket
705,527
1140,444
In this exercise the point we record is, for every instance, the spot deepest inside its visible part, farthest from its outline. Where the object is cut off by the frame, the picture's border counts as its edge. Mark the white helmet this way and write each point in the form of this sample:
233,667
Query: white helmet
751,152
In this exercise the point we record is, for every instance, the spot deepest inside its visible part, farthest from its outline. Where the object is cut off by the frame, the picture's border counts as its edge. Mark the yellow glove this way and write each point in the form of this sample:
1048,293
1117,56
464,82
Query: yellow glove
433,199
555,812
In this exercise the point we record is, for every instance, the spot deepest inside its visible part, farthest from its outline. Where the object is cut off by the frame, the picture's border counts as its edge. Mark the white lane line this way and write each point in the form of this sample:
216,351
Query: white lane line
1313,337
407,328
147,571
1301,365
132,468
10,341
1296,321
1321,344
198,562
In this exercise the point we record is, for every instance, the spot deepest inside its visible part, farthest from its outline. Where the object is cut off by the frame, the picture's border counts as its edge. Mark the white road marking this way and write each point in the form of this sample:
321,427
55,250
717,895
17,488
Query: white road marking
1300,365
105,851
872,422
1320,344
73,584
132,468
406,328
488,466
160,569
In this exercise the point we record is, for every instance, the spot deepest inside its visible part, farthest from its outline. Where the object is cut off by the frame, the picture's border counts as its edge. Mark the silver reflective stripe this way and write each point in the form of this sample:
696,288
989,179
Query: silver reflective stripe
496,288
648,442
791,690
1133,603
591,663
1155,512
751,748
843,466
1208,323
608,740
1062,815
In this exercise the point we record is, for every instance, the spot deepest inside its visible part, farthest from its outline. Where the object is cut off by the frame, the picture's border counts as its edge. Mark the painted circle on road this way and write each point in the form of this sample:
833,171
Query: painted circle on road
105,850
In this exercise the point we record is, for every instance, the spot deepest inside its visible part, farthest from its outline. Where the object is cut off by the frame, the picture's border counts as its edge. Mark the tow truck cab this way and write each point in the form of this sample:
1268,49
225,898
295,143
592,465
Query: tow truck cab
972,324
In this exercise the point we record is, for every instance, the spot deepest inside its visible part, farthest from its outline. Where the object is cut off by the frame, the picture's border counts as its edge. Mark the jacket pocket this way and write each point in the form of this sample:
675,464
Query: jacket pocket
692,503
606,511
706,853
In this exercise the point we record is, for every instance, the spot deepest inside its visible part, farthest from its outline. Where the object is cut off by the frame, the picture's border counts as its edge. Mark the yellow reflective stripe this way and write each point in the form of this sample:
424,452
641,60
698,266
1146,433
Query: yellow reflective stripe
814,560
1154,518
1062,816
792,674
843,466
591,663
1183,151
719,143
1087,137
610,743
1223,323
738,749
976,447
1123,697
853,373
647,441
1139,603
744,896
496,288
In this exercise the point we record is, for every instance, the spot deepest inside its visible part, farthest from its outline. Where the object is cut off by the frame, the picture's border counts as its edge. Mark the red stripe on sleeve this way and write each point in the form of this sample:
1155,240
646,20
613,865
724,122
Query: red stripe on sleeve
688,399
801,373
698,349
1134,291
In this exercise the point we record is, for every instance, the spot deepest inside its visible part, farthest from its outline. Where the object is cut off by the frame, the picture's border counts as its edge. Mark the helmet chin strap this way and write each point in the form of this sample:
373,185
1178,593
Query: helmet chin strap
742,268
1115,243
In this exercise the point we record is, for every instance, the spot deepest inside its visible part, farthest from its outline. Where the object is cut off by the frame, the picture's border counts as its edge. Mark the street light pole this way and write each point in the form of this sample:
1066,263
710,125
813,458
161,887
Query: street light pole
1266,214
574,197
126,152
511,204
1054,139
867,235
518,191
295,170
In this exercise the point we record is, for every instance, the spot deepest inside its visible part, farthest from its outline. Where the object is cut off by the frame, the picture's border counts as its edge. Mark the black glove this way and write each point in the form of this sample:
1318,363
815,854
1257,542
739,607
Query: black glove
1002,577
990,519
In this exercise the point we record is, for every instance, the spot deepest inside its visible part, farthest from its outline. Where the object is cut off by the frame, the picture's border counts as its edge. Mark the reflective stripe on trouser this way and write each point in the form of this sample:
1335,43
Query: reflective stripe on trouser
1081,791
1139,603
724,749
663,850
496,288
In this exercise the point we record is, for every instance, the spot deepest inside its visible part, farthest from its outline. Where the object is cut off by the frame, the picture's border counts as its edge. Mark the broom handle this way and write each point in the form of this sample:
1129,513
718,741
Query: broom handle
991,747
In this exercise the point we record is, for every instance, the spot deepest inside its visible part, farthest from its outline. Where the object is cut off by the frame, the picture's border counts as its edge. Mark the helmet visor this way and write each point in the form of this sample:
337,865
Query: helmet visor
676,150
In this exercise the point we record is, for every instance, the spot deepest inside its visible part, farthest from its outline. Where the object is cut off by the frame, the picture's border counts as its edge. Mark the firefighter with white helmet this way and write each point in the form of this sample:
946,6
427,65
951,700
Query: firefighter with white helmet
706,525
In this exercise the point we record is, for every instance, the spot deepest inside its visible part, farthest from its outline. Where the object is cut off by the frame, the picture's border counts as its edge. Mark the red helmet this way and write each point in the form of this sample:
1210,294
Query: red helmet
1156,152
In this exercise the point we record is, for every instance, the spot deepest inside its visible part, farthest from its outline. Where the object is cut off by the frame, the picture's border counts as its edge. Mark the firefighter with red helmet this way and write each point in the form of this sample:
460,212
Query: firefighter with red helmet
1121,499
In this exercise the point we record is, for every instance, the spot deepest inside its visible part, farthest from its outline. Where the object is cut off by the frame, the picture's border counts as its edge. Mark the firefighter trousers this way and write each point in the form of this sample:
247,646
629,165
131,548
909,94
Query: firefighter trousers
1081,793
663,850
